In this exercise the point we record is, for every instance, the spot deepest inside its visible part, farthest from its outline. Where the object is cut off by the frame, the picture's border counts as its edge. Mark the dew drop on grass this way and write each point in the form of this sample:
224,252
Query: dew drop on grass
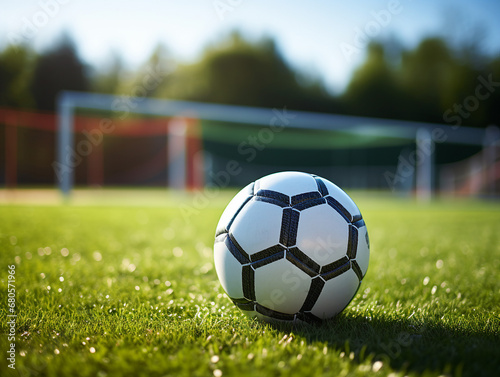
61,279
42,275
217,373
177,251
64,252
97,256
92,350
434,289
56,351
426,280
439,264
214,359
169,234
377,365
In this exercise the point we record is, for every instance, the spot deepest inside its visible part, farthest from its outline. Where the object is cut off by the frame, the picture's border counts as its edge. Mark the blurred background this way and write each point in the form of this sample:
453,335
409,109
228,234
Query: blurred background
394,77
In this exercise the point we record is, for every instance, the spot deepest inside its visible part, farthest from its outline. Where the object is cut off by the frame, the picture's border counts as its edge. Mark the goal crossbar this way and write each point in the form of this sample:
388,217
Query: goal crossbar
68,101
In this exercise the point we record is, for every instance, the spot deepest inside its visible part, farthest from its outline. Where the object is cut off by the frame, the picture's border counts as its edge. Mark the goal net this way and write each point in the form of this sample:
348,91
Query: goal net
128,141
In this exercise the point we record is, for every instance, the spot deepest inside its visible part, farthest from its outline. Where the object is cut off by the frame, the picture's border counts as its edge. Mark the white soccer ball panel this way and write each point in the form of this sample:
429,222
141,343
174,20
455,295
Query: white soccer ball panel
322,234
339,195
257,226
289,183
233,206
229,270
281,286
336,295
363,252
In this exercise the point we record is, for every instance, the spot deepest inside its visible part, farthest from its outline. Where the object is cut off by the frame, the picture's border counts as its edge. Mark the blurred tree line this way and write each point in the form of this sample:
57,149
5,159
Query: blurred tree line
421,84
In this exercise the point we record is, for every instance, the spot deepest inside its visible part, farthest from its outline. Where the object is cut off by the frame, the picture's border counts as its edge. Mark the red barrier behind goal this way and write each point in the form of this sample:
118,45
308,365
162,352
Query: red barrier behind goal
89,126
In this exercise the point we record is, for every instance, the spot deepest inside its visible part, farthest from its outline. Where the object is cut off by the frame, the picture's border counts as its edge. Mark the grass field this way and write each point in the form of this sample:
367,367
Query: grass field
126,287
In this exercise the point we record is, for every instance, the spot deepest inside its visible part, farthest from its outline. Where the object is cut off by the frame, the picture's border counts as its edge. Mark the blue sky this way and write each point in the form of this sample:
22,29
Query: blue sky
323,37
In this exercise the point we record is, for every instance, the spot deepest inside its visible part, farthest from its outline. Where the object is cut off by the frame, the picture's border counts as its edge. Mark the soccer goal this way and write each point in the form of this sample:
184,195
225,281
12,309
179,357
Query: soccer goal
221,145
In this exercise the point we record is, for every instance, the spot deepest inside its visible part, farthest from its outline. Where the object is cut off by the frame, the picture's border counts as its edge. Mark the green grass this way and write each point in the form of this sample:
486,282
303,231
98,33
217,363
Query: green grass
131,290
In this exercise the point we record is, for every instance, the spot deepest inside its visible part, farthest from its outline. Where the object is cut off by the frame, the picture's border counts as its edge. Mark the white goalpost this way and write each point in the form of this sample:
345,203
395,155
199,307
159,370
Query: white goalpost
177,115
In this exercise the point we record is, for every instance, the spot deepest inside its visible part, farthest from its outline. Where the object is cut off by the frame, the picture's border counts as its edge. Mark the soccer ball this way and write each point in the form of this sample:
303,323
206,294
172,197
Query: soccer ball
291,246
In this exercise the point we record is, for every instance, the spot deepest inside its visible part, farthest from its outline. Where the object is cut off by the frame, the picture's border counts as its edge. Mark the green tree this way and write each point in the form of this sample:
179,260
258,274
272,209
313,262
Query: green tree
58,69
236,71
425,73
108,79
16,69
374,89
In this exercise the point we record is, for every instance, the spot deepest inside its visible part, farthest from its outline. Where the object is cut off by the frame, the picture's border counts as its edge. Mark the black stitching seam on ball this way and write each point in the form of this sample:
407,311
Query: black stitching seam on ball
357,218
249,307
334,265
300,198
359,223
289,227
228,227
266,253
248,282
321,186
270,258
251,189
336,268
357,269
302,261
221,237
352,245
315,289
274,197
310,203
243,303
273,313
332,202
237,251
